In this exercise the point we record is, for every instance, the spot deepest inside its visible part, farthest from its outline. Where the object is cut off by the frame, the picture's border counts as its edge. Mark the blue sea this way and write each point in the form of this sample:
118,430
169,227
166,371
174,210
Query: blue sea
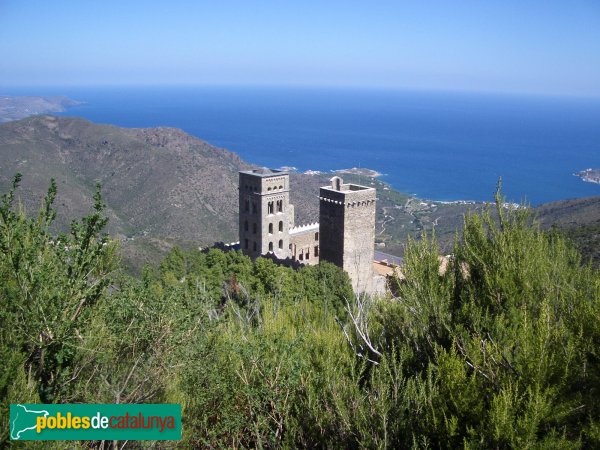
437,145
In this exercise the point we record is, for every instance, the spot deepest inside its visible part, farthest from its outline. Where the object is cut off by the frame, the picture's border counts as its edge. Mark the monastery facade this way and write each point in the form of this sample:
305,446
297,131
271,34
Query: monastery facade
344,235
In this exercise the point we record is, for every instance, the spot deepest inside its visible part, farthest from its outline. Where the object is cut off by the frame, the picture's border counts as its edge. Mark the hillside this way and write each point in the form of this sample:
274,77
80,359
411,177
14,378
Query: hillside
155,181
570,213
579,220
164,187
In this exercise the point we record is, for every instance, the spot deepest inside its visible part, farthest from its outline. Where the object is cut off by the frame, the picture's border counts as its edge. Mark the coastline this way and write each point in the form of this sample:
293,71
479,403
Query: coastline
22,106
277,136
363,172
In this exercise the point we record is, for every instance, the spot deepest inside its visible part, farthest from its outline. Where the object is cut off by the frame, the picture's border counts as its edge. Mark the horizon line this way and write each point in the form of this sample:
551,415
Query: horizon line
308,86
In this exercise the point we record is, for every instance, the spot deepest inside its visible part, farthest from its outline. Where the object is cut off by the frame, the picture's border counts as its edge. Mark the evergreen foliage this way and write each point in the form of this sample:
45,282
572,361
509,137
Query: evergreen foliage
499,350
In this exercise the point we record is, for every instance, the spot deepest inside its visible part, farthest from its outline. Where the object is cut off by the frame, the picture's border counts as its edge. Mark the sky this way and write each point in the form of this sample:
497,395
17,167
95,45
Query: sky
540,47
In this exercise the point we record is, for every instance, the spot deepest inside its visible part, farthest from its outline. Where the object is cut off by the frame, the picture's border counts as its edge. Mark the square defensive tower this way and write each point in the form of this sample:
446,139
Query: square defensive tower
347,230
265,212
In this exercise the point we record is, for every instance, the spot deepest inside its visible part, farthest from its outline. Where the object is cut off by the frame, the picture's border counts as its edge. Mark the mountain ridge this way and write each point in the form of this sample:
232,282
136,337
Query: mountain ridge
157,182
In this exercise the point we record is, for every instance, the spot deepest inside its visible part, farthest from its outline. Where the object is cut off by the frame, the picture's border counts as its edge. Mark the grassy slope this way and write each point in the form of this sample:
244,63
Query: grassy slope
579,220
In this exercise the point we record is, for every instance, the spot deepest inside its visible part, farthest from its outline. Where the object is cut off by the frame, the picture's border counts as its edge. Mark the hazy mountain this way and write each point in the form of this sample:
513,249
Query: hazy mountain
18,107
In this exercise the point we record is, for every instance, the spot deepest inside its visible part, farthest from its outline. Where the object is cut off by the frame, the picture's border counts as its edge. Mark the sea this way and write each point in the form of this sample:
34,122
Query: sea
436,145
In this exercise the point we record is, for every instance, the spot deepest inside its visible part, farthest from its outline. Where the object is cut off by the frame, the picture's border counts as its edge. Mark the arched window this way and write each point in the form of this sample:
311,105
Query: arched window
247,205
270,228
270,246
280,243
316,250
253,208
279,205
317,236
280,225
270,208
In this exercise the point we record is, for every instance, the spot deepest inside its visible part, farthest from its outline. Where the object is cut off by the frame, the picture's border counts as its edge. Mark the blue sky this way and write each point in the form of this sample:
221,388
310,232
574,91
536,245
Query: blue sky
549,47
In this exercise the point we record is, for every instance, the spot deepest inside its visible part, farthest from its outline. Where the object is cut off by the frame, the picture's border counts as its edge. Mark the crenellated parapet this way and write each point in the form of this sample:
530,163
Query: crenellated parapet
304,243
305,228
347,227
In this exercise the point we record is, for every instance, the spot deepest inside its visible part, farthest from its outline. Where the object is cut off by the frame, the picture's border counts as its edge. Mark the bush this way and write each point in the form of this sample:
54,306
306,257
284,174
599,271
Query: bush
500,350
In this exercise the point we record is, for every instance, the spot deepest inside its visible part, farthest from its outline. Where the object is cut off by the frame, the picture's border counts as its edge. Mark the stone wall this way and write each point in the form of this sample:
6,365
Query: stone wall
347,230
359,239
344,236
304,244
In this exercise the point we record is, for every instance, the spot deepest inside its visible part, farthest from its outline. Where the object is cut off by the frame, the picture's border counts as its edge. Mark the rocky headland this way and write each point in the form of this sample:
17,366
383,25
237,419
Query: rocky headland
19,107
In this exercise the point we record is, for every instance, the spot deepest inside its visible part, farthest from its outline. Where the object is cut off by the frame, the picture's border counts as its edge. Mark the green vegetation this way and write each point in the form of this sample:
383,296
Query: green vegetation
579,220
586,238
502,350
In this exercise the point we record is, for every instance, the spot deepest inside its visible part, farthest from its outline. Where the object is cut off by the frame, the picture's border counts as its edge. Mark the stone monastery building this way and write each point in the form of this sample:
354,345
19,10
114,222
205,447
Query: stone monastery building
344,236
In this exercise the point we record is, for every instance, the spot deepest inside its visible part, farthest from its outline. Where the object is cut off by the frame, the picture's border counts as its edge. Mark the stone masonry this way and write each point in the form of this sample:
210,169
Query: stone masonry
344,236
264,207
347,230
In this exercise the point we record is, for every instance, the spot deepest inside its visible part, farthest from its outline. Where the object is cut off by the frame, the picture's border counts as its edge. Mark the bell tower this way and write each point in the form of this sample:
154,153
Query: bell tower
347,230
264,212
